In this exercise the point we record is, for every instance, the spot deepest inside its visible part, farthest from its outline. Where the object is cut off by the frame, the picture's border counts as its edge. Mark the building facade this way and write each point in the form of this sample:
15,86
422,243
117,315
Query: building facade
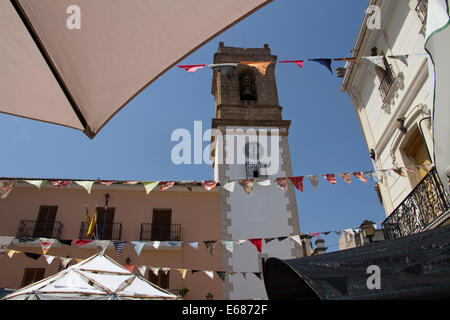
393,105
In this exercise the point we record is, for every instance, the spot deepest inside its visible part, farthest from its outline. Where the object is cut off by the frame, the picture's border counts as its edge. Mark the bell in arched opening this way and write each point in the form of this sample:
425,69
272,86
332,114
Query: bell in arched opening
247,87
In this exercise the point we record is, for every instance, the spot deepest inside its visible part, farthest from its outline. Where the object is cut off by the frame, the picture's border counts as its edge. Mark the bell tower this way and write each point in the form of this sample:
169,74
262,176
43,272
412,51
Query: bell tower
252,144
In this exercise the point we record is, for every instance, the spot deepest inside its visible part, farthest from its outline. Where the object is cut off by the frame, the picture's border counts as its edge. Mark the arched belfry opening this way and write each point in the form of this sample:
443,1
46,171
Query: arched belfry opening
247,85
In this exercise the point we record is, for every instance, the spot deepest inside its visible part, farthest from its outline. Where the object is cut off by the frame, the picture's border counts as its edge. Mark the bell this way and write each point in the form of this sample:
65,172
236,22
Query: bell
247,93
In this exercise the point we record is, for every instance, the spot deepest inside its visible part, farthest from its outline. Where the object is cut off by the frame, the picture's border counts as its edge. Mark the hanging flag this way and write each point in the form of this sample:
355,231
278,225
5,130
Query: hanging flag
221,275
37,183
345,59
189,184
46,244
92,225
244,274
107,183
297,62
338,232
228,245
150,185
257,243
5,188
229,186
194,271
399,171
260,66
192,67
227,69
282,238
65,261
331,178
142,270
247,185
88,218
130,182
193,244
372,175
209,185
360,176
156,244
315,234
2,250
346,177
183,273
165,270
282,183
325,62
155,270
210,246
166,185
378,60
314,181
267,240
173,243
33,256
11,253
49,259
86,184
257,274
138,245
129,267
5,241
297,239
81,242
209,273
240,242
66,242
264,183
403,58
61,183
102,245
297,182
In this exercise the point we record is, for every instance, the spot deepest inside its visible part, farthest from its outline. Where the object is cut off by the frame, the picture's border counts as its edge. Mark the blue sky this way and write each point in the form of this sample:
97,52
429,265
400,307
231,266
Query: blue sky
325,136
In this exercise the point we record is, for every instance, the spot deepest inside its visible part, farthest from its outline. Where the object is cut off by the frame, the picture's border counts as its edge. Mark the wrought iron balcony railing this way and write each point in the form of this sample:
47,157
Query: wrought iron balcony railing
160,232
426,203
110,231
38,229
386,83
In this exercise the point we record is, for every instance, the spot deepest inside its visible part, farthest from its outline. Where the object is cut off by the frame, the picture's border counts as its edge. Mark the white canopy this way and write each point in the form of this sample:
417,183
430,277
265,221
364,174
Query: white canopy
81,78
96,278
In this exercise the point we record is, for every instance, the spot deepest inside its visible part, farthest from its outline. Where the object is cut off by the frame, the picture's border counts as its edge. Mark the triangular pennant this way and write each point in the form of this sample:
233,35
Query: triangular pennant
142,270
282,183
229,186
378,60
102,245
257,243
264,183
5,241
81,242
360,176
228,245
194,271
210,246
260,66
338,232
46,244
107,183
189,185
297,182
209,185
282,238
11,253
129,267
267,240
86,184
209,273
331,178
5,188
297,239
346,177
61,183
227,69
165,270
193,244
118,245
192,67
155,270
65,261
402,58
156,244
166,185
221,275
150,185
316,234
325,62
314,181
399,171
244,274
247,185
297,62
345,59
49,259
257,274
138,245
173,243
66,242
132,183
240,242
37,183
33,256
183,273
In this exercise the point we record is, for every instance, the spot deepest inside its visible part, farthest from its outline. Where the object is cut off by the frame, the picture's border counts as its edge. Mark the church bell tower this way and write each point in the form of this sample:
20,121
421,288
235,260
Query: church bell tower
254,147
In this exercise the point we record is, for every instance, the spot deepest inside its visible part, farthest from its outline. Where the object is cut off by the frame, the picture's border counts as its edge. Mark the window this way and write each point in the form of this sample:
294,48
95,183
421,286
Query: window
386,78
422,13
247,88
45,222
32,275
106,218
417,152
161,224
161,280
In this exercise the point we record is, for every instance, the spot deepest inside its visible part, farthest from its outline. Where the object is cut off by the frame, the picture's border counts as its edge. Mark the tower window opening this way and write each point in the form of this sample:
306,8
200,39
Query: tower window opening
247,88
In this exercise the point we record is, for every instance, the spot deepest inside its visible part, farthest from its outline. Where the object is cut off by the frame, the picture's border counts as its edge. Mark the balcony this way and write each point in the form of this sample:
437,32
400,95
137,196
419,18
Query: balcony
160,232
111,231
424,208
38,229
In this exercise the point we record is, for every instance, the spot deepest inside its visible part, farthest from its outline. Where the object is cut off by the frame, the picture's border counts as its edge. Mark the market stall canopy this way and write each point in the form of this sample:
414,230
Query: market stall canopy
80,78
412,267
96,278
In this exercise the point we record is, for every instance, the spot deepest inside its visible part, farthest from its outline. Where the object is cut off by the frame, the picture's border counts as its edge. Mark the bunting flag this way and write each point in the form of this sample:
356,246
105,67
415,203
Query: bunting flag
81,242
2,250
138,245
107,183
193,244
209,273
227,69
92,225
6,241
86,184
267,240
37,183
142,270
166,185
118,245
297,182
399,171
244,274
331,178
34,256
257,274
240,242
228,245
189,184
173,243
325,62
403,58
102,245
155,271
129,267
46,244
210,246
61,183
221,275
229,186
192,67
66,242
282,183
282,238
345,59
88,218
264,183
183,273
49,259
260,66
372,175
338,232
297,62
65,261
378,60
156,244
150,185
257,243
314,181
11,253
209,184
194,271
165,270
346,177
5,188
131,182
360,176
297,239
247,185
315,234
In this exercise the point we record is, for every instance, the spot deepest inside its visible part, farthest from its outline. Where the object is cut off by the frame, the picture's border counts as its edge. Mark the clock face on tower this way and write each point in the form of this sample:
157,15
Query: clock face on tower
253,151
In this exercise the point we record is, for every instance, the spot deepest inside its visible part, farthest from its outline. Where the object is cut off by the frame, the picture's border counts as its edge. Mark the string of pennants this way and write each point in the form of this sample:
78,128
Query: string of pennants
7,184
228,69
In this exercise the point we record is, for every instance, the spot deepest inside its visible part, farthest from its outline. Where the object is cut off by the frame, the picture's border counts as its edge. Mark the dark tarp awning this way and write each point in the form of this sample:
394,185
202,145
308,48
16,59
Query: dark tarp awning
412,267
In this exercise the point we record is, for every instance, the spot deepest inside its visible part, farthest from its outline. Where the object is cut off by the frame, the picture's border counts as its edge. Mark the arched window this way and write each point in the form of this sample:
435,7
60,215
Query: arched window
247,87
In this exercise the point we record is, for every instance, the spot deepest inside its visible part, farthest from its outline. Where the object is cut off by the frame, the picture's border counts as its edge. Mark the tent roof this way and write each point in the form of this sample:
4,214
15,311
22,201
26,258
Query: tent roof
81,78
98,277
412,267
